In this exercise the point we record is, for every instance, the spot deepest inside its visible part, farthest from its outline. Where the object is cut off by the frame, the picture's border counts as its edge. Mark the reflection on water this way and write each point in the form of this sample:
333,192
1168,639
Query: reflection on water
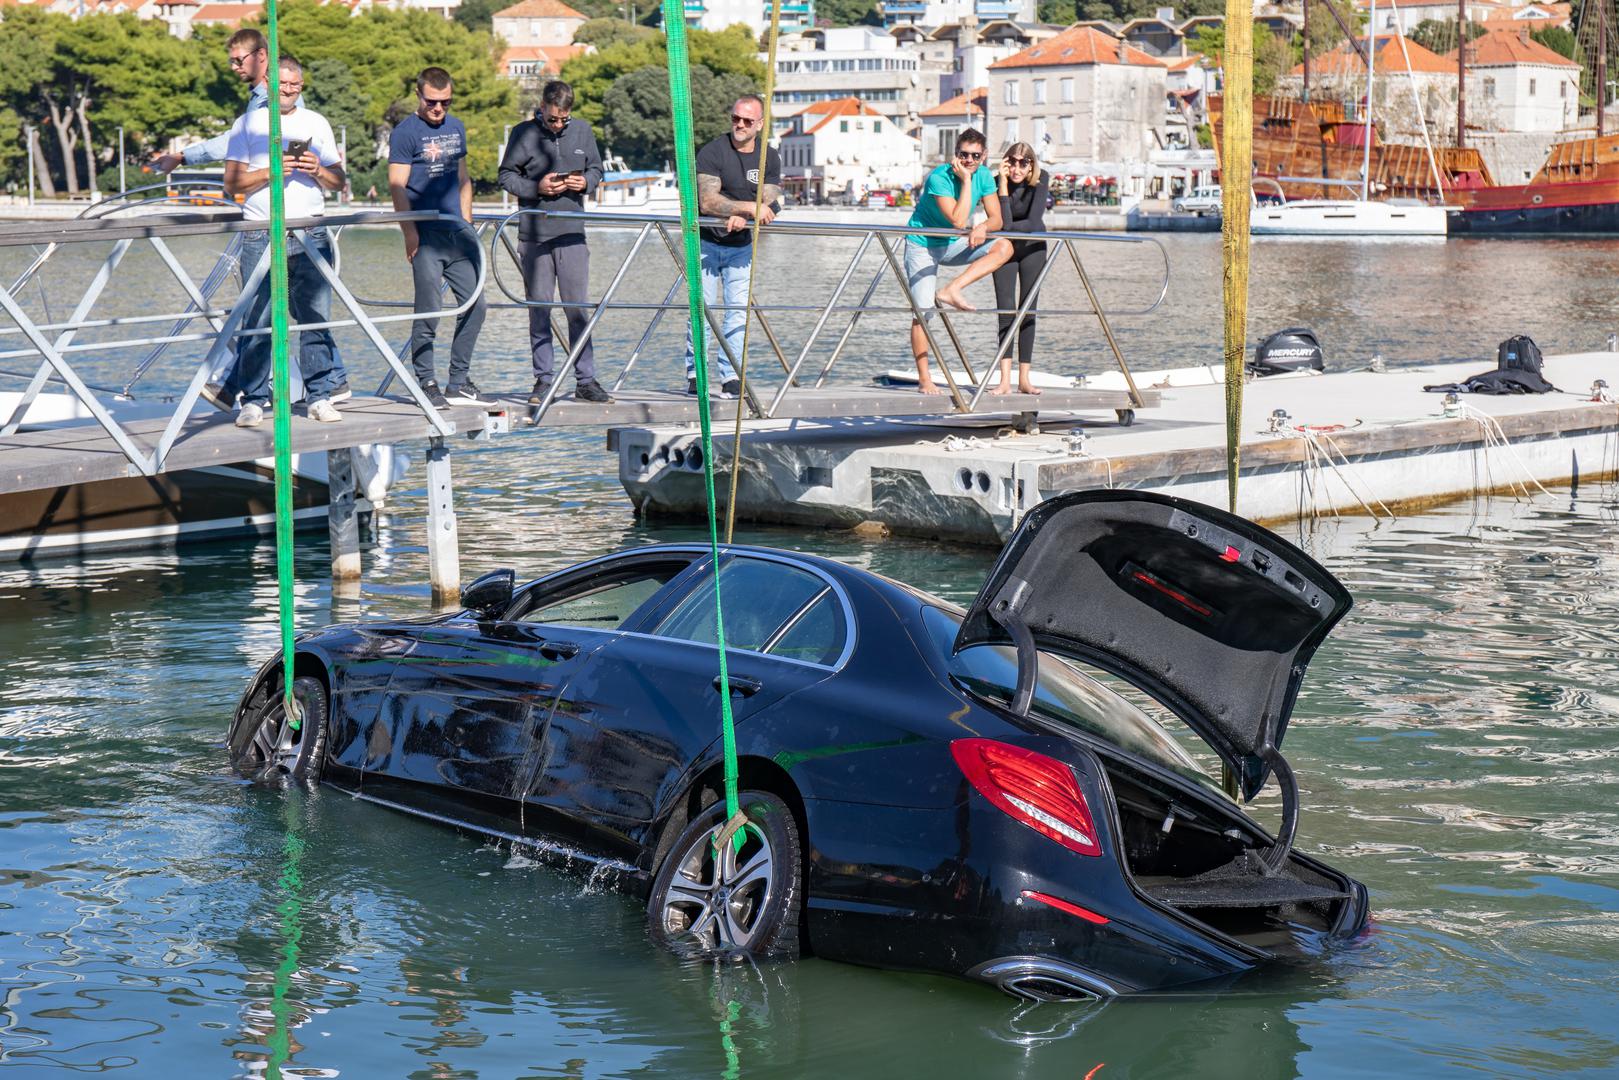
1455,741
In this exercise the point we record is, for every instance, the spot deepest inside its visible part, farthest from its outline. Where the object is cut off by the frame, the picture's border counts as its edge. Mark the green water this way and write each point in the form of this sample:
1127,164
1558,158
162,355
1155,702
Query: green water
1456,742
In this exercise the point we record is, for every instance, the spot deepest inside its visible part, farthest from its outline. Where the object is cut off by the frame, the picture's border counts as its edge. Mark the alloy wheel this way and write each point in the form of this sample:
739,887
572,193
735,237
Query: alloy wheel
719,898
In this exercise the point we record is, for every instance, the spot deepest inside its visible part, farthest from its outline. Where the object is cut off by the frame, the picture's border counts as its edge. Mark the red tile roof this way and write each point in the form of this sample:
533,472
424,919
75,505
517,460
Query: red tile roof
829,111
958,105
1389,57
226,13
1499,48
539,9
554,56
1074,46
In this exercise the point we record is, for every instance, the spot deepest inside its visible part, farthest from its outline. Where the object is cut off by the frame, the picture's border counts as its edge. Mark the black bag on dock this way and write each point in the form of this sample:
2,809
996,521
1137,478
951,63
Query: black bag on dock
1517,371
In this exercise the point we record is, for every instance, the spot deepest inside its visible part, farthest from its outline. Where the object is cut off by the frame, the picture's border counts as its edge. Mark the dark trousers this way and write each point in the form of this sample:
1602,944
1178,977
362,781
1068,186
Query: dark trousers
552,266
445,256
1014,280
309,300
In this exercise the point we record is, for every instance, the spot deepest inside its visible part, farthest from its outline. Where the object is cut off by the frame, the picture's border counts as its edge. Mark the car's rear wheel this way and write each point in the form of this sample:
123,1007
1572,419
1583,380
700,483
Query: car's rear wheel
734,900
265,745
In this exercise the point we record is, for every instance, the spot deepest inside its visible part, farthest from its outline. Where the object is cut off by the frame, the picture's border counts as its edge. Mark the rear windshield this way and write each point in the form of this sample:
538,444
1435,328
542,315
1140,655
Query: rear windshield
1065,694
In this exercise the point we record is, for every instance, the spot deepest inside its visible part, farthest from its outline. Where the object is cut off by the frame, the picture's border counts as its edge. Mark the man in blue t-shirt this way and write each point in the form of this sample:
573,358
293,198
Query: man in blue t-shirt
948,197
427,170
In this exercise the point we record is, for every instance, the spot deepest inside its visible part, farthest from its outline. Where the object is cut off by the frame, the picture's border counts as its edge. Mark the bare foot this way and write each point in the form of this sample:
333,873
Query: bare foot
1033,391
954,298
926,387
1001,389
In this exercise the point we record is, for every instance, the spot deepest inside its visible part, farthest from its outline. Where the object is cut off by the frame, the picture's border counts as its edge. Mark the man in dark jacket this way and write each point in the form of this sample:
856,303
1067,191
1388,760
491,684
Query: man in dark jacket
551,163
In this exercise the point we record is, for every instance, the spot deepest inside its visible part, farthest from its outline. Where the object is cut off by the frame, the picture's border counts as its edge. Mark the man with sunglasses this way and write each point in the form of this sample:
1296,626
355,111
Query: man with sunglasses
551,163
948,197
727,186
427,170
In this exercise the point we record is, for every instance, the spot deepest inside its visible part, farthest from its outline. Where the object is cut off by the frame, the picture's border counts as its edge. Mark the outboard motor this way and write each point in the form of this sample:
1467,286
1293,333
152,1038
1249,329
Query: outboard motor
1294,349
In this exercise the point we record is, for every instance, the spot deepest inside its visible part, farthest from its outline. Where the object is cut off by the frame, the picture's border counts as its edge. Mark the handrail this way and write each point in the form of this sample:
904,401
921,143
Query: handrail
225,323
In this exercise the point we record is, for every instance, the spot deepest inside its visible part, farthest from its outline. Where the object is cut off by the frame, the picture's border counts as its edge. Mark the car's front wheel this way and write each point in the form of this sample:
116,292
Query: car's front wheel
265,745
740,899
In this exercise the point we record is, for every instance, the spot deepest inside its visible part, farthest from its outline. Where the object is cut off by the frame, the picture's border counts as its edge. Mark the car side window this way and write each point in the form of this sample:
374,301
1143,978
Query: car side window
764,595
601,603
816,636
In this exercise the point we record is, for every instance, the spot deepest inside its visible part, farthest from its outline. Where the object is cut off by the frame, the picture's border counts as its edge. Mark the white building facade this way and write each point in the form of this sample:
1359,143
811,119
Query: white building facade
1515,83
1081,96
862,62
845,148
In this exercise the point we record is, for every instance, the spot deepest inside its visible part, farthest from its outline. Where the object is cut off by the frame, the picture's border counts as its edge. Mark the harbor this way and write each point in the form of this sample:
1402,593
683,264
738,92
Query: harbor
1454,732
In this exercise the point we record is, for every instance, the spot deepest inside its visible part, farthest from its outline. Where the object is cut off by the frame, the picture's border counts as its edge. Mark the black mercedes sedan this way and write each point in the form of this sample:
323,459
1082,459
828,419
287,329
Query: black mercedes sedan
983,793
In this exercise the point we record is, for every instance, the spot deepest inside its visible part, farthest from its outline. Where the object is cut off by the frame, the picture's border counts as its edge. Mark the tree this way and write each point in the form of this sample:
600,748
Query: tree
847,13
1324,33
1439,35
1273,57
605,33
732,51
638,111
1558,40
1057,12
479,15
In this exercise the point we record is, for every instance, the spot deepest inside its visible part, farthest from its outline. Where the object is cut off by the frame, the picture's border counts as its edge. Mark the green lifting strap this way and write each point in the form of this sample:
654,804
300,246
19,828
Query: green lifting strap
279,384
674,25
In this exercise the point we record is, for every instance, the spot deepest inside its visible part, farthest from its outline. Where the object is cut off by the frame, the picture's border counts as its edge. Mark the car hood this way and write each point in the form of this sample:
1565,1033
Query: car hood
1209,613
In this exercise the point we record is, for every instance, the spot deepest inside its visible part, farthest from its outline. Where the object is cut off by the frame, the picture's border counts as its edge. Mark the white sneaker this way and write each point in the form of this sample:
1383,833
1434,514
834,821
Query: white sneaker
250,416
324,411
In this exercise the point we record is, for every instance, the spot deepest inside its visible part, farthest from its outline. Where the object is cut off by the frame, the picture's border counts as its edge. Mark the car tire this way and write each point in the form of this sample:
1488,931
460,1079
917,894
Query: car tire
760,887
263,746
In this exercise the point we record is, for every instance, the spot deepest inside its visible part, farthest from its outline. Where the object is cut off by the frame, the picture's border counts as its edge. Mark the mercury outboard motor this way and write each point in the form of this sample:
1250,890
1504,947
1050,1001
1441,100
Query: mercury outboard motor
1294,349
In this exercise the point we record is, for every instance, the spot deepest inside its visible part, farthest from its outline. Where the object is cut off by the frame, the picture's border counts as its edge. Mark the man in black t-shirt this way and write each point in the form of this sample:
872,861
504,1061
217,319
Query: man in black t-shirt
727,185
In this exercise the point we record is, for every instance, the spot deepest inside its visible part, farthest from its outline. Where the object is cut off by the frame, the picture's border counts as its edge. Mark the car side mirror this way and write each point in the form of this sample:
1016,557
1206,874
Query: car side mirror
489,595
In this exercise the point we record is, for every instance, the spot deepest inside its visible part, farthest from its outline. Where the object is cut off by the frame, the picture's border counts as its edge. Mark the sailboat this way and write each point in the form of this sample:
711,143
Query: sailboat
1351,217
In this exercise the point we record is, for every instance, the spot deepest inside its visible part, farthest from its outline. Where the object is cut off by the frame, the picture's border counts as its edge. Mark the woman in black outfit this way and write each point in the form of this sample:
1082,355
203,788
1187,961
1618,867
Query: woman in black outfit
1023,209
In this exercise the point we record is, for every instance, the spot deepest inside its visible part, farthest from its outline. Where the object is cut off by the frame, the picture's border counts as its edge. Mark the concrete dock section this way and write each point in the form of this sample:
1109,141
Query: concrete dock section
1362,442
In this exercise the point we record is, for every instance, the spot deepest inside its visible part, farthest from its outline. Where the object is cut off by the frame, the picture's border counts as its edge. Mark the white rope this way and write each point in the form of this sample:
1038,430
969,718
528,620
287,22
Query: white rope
1496,437
1318,448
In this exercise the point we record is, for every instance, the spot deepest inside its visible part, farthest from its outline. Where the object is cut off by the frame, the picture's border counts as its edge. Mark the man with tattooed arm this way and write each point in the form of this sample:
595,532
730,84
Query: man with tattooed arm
727,185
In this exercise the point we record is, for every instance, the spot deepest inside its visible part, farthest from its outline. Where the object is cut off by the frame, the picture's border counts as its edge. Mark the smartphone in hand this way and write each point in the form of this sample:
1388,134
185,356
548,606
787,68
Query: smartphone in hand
297,147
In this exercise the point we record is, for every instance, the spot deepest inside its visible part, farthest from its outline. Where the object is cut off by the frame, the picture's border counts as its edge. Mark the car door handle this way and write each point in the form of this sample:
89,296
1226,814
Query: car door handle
558,650
741,684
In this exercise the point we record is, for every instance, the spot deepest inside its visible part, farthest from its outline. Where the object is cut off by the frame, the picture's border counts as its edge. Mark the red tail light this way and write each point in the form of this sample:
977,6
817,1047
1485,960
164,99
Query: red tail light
1039,791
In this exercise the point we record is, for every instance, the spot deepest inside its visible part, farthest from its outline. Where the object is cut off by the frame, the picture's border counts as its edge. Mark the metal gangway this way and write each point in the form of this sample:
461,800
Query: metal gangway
190,435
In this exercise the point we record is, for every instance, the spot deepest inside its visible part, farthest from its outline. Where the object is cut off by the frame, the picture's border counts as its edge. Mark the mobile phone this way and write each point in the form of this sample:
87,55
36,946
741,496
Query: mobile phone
297,147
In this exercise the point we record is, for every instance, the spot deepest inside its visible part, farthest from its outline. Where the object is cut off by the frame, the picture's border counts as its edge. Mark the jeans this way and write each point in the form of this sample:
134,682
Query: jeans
446,255
552,266
922,267
724,268
309,300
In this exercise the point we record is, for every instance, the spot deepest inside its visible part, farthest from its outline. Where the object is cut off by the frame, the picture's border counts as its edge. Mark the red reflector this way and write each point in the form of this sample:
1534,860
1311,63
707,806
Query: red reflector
1174,594
1037,790
1230,554
1064,905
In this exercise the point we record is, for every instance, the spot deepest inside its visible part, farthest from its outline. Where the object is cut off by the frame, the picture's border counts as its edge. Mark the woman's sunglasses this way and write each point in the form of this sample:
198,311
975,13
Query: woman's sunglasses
1020,162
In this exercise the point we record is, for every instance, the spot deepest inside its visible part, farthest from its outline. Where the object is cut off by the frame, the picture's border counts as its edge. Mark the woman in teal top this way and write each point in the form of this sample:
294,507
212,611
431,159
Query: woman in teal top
944,206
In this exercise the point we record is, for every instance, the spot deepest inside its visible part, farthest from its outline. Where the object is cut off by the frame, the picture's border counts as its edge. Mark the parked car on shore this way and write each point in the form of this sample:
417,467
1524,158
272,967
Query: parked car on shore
1201,200
972,792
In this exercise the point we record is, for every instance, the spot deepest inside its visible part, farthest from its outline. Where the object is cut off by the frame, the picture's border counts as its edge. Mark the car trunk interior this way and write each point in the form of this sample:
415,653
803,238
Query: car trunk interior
1188,855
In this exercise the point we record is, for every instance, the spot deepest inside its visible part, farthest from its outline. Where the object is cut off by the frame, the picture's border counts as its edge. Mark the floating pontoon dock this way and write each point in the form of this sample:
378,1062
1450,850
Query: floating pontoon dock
1355,442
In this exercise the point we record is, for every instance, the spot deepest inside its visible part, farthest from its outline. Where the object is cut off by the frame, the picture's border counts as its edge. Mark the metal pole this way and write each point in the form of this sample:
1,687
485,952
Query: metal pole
1371,64
122,186
1602,67
32,135
343,156
505,196
1306,33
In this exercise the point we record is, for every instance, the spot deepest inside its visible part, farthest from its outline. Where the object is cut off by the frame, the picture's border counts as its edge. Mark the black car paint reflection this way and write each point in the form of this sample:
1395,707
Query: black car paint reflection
582,717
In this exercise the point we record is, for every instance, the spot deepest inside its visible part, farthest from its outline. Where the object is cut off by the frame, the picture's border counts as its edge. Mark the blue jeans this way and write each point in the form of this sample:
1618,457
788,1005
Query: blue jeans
309,300
724,268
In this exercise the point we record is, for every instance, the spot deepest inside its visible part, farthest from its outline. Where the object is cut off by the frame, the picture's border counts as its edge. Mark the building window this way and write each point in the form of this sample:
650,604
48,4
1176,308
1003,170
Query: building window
1065,87
947,142
1562,89
843,126
1489,88
1011,130
876,125
1039,91
1039,133
1010,95
1067,131
1531,88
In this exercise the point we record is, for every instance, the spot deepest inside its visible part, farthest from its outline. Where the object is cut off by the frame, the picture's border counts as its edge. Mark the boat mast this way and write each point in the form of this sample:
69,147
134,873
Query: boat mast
1366,121
1306,33
1461,73
1602,64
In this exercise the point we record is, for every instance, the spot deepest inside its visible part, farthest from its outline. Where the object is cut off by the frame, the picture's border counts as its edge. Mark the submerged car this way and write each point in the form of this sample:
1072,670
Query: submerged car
973,793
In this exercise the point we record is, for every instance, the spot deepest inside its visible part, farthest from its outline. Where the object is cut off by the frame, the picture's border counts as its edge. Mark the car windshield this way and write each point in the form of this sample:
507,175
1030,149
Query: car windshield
1065,694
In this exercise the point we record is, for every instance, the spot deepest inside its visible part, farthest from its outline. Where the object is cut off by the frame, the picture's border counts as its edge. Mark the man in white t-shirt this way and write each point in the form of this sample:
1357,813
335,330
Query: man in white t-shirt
307,177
